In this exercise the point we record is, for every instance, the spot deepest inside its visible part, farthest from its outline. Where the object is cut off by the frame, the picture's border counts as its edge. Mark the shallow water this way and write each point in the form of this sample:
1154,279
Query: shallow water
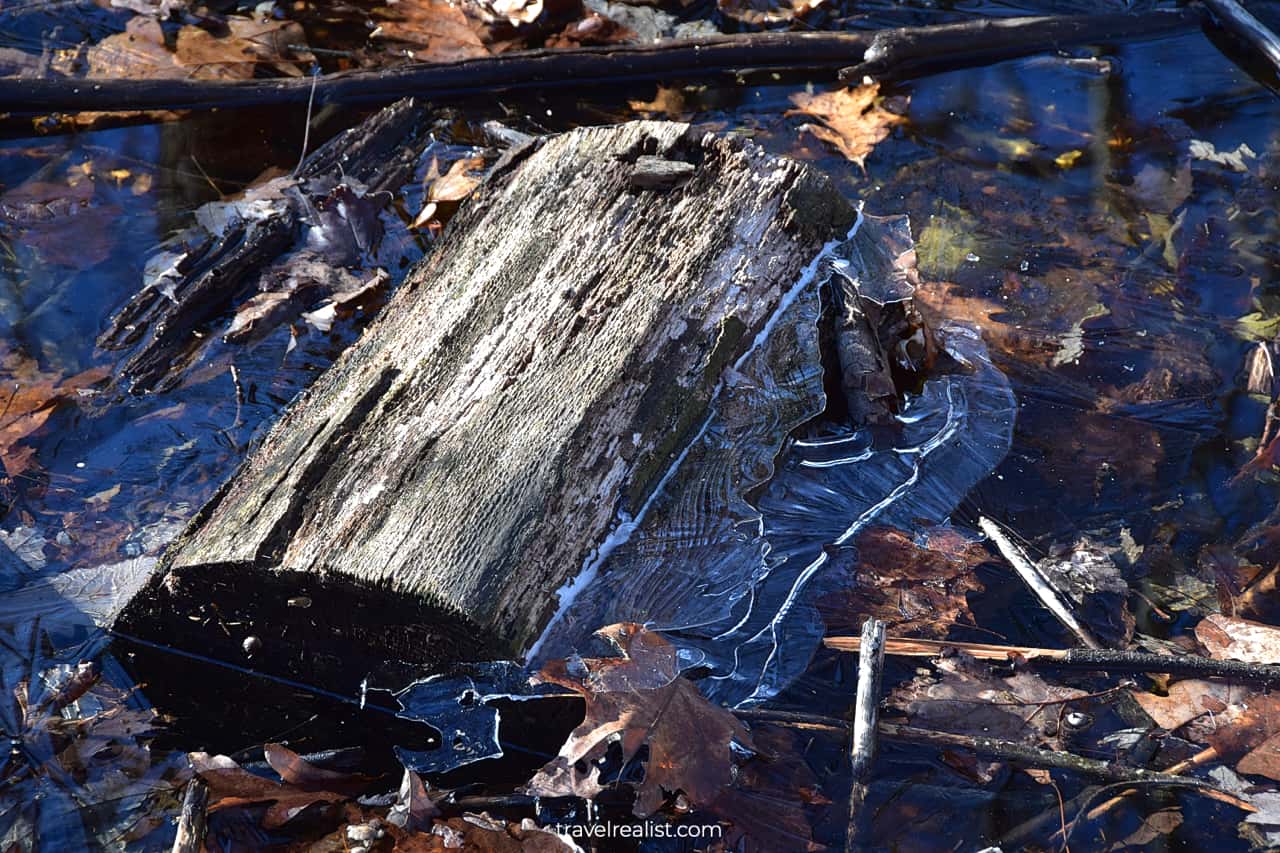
1054,201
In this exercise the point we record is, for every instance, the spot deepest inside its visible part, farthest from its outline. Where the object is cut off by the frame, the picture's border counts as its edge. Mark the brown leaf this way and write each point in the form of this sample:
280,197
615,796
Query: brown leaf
231,786
446,191
1155,825
138,53
669,102
207,57
1229,638
297,771
28,397
641,699
1187,700
766,804
593,30
851,119
65,223
761,13
918,586
440,28
969,699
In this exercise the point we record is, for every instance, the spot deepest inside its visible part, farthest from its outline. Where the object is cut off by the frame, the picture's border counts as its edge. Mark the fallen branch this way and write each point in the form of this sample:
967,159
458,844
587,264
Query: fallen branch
1037,583
729,55
866,715
909,51
1093,660
1236,20
1021,754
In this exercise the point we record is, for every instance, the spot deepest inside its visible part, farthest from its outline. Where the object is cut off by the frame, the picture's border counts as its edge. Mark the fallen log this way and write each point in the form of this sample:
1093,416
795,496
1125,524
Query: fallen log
898,52
528,384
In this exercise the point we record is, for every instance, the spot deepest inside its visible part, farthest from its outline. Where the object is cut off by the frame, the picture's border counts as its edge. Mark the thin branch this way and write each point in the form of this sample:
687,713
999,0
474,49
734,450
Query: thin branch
1091,660
948,45
1037,583
1236,19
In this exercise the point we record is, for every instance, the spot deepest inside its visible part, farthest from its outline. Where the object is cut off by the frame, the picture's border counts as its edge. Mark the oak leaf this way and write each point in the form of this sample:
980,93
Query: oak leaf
640,699
1231,638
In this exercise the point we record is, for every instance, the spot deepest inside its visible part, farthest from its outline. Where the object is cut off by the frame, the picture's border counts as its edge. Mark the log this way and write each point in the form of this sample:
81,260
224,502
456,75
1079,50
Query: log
531,382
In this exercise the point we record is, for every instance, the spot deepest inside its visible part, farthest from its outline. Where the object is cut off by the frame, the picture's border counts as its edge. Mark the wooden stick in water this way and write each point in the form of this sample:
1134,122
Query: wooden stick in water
1036,582
866,716
1092,660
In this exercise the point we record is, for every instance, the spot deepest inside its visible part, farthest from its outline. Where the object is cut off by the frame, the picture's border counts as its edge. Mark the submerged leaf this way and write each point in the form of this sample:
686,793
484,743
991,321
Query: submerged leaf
853,120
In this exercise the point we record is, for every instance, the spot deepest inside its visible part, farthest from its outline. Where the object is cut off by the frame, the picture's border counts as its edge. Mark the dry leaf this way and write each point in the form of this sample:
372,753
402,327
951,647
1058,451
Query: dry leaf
640,699
762,13
440,28
446,191
850,119
1187,700
138,53
1229,638
968,699
231,786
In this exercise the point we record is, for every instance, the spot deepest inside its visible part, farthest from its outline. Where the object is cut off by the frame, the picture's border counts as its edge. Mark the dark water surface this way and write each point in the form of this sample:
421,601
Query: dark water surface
1119,281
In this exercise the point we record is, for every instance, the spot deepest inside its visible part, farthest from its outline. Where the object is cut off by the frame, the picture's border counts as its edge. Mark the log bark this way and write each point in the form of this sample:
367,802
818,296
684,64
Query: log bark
530,381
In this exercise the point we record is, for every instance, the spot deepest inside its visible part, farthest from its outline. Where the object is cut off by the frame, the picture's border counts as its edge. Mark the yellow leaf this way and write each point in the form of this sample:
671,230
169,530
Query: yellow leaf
1068,159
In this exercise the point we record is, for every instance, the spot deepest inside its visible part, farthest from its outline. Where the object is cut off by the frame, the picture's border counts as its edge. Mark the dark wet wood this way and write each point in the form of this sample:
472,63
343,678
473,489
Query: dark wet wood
910,49
163,330
1237,20
535,376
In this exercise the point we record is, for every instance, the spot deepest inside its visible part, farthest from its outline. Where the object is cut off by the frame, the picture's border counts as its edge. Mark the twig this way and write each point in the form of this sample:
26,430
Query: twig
866,715
1036,582
191,824
714,56
1202,757
1170,782
793,719
1236,19
1022,754
1092,660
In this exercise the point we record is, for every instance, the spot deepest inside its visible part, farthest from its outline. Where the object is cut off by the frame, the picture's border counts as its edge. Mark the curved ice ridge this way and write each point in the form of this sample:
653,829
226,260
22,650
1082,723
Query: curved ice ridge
734,580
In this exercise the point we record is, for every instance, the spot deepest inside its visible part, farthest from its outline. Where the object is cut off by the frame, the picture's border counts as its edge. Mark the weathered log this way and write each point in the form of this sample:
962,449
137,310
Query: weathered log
531,381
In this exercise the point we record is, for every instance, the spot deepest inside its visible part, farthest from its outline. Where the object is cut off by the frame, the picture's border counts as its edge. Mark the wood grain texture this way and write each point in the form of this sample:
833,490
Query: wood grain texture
530,380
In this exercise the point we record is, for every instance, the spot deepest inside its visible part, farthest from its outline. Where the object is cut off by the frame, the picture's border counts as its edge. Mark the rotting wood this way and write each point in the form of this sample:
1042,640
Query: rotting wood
161,326
866,717
1090,660
532,379
191,821
542,70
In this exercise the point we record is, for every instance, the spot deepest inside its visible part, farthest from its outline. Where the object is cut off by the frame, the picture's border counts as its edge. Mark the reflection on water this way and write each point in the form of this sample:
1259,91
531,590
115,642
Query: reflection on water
1120,281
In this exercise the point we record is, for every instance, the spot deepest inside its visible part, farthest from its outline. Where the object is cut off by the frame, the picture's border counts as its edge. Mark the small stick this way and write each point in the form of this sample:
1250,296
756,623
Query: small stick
1037,583
1017,753
1236,19
191,824
1204,756
1094,660
866,715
